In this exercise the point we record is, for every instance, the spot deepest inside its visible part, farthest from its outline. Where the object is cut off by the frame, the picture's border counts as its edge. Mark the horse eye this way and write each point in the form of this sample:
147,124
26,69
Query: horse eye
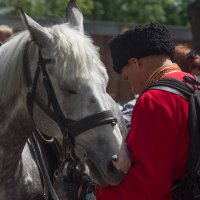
72,92
68,91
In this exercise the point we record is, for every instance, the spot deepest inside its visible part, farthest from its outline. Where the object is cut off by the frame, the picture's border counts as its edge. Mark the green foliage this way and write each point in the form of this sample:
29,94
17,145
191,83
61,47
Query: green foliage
173,12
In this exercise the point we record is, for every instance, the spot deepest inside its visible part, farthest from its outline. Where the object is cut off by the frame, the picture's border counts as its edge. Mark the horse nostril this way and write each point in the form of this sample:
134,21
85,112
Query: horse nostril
114,123
115,158
111,167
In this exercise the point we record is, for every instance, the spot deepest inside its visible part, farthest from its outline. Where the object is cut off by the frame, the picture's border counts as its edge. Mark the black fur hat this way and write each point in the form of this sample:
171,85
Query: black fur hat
141,41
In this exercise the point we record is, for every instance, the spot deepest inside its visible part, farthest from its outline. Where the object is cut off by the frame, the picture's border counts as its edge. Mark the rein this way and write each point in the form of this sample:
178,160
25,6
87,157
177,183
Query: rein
69,128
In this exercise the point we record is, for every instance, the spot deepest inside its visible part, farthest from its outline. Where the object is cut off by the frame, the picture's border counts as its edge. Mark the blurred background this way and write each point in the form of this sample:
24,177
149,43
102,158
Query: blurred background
105,18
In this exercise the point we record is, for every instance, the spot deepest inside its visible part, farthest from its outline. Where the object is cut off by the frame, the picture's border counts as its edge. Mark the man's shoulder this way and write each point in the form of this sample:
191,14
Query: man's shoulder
177,75
151,92
154,96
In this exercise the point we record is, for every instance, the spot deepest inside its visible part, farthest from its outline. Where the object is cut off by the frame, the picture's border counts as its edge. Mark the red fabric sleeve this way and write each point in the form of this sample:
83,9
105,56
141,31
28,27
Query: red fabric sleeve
158,134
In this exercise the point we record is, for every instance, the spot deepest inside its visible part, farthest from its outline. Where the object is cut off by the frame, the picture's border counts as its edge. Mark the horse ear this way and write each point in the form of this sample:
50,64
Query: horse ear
74,15
38,33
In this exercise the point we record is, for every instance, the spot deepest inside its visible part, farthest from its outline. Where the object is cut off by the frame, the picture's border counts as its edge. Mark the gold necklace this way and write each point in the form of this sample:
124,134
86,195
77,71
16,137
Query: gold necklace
162,71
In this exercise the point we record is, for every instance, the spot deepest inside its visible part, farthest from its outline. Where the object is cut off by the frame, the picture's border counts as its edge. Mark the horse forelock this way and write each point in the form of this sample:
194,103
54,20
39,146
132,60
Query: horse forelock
79,55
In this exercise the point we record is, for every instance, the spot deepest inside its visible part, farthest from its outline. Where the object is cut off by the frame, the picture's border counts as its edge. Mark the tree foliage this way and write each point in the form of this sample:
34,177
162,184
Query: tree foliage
194,17
173,12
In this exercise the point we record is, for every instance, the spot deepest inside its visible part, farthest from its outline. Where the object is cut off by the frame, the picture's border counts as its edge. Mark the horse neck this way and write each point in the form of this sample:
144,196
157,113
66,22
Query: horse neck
11,67
15,128
15,124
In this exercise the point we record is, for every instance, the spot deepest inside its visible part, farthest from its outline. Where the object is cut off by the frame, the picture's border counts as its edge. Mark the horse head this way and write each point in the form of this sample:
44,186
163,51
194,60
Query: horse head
79,80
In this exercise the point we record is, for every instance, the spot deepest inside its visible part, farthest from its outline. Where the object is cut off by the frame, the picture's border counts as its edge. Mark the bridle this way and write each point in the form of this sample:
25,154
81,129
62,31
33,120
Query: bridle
69,128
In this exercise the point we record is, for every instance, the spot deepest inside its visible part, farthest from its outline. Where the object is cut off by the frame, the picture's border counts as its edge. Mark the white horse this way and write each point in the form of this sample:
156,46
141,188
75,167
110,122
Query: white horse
79,80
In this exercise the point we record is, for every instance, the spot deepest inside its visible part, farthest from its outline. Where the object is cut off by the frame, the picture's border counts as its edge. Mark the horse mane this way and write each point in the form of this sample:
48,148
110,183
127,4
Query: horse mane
11,62
82,59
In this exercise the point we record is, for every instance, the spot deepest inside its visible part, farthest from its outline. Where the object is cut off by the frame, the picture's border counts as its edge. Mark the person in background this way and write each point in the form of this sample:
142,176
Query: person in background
5,33
158,139
127,110
188,59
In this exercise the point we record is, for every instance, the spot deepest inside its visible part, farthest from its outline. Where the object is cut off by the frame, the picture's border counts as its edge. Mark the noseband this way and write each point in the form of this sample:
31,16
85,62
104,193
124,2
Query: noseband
69,128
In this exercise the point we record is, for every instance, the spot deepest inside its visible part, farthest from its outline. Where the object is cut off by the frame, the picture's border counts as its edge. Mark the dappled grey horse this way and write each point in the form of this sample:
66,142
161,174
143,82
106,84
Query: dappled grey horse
70,63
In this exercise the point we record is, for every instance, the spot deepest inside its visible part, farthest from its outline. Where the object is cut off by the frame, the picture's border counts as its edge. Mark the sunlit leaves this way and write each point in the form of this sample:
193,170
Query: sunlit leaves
171,12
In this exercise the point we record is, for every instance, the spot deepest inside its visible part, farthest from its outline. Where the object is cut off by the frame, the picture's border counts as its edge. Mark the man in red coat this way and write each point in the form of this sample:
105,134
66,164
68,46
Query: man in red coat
158,140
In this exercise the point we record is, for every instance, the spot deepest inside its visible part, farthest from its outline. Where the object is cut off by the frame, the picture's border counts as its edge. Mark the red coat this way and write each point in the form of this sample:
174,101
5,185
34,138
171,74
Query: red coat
158,142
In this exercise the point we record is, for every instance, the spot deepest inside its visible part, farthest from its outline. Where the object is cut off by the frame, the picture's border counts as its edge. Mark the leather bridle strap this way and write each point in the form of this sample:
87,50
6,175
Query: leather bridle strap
66,125
40,162
52,99
91,122
33,94
56,114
